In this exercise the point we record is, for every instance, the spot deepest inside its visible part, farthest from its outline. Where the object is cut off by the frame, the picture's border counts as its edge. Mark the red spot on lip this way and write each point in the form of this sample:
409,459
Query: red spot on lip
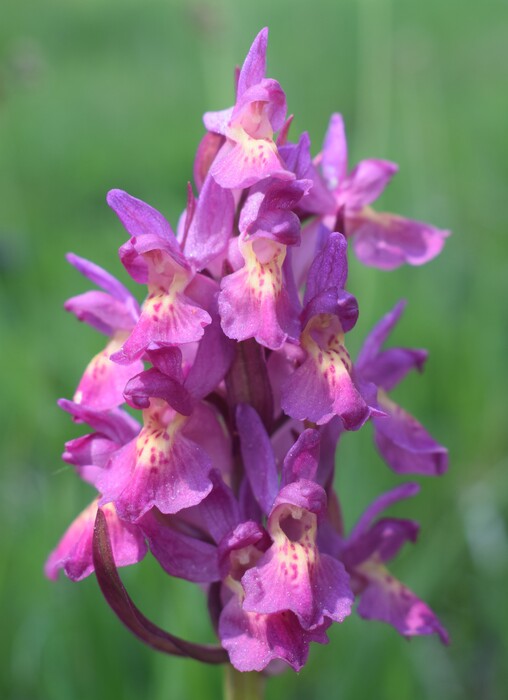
156,307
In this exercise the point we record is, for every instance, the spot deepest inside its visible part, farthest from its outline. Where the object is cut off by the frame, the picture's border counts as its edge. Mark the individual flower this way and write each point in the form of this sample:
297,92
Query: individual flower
324,384
402,441
152,256
380,240
249,153
257,301
365,553
113,312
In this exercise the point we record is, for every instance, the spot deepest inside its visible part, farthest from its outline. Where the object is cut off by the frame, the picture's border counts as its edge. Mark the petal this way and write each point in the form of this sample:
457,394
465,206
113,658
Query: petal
162,468
378,336
218,513
140,219
117,424
334,156
178,554
405,444
74,551
211,226
258,458
292,575
319,200
388,600
101,278
267,212
329,268
166,319
244,160
206,428
301,461
254,67
253,640
153,384
387,241
382,542
102,311
366,182
254,303
391,366
317,393
90,455
384,501
213,359
217,122
102,385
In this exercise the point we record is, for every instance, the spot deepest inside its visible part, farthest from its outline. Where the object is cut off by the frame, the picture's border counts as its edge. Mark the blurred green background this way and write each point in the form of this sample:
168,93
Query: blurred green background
96,94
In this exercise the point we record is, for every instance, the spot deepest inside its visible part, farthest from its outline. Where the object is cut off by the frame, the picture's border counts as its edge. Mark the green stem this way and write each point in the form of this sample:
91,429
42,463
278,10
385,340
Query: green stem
243,686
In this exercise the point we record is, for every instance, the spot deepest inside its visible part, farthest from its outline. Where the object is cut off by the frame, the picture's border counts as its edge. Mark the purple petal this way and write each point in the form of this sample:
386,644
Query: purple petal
387,241
378,336
206,429
213,360
102,385
267,212
405,444
102,312
301,461
260,110
253,640
241,548
317,394
249,507
382,541
211,226
258,458
101,278
245,161
391,366
329,268
178,554
165,320
329,438
366,182
334,156
74,551
140,219
333,302
388,600
162,468
218,122
218,513
153,384
319,200
90,455
254,67
254,303
381,503
117,425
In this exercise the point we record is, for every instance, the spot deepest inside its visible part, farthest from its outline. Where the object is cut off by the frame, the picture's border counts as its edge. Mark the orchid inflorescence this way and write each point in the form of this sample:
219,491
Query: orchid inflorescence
237,366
